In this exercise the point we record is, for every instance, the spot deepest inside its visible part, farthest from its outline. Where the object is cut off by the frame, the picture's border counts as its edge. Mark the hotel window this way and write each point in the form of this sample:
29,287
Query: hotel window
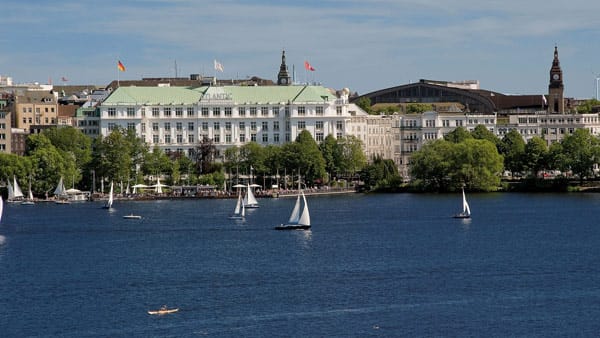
216,111
52,110
228,138
167,126
155,112
130,112
242,137
217,138
154,138
242,111
167,112
25,110
319,137
338,110
252,125
288,126
276,138
339,135
190,112
155,126
179,126
252,111
265,125
178,112
190,125
242,126
301,124
265,138
142,111
143,127
228,126
301,111
111,126
46,109
287,137
228,111
275,111
179,138
287,111
37,110
339,125
112,112
253,137
276,125
204,125
131,126
190,138
167,138
216,126
319,125
264,111
445,123
459,123
205,111
319,110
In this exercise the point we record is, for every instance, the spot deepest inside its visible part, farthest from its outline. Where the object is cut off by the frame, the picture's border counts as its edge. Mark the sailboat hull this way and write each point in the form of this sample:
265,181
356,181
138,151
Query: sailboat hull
461,215
292,227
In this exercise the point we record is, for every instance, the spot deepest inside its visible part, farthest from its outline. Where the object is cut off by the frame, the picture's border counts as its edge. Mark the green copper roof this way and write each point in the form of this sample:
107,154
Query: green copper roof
155,95
233,94
278,94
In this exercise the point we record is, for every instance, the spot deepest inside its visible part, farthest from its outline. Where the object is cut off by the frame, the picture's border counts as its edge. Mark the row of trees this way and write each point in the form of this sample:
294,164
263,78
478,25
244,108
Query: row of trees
122,157
477,159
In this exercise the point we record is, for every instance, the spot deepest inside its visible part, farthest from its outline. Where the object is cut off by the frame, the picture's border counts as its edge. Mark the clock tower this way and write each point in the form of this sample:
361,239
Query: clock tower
556,102
283,78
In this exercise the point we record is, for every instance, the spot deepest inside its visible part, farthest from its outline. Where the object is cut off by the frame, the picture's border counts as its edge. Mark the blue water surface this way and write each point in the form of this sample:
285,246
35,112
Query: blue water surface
372,265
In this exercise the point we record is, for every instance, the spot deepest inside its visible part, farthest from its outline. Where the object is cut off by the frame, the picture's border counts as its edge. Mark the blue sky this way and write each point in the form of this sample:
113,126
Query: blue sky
363,45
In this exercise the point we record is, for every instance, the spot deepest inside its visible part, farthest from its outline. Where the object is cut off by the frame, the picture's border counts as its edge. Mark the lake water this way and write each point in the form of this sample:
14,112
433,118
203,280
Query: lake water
372,265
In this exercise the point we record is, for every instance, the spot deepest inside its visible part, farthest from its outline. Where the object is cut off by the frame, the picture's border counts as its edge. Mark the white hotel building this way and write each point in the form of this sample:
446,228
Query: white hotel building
178,118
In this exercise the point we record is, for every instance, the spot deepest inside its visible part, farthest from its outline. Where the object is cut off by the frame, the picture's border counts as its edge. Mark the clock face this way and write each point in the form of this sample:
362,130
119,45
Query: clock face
284,80
555,76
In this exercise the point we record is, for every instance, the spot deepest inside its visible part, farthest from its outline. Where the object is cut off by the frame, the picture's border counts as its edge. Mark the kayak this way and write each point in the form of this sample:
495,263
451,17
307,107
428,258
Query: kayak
162,311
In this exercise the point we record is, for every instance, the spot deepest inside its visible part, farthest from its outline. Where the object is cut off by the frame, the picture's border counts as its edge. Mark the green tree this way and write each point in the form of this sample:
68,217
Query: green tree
381,175
458,135
482,133
476,165
310,161
418,108
351,157
48,164
328,149
430,167
364,103
536,155
586,107
70,140
581,151
156,163
512,148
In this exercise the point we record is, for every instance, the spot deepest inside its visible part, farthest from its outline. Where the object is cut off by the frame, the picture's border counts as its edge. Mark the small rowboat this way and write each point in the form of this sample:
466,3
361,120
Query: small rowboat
132,216
162,311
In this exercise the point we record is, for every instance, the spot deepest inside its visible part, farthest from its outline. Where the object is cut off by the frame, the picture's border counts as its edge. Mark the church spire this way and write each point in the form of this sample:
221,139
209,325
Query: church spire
556,86
283,78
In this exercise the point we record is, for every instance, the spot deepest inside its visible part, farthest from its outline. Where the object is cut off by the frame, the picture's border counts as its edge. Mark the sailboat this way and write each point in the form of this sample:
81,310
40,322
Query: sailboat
1,207
60,192
29,200
297,221
249,200
14,192
109,203
240,210
466,212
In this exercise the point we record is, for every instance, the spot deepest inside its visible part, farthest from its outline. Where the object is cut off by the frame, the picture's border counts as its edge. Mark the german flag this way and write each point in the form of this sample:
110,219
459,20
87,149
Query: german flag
120,66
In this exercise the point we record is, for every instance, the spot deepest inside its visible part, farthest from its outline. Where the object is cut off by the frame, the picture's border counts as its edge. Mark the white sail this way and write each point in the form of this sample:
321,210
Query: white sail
11,191
1,208
17,190
305,218
466,209
30,197
249,199
295,216
60,188
110,197
238,205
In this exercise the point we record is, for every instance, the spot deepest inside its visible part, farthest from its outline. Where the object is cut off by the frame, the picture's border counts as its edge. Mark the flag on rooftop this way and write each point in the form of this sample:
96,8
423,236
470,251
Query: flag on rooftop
218,66
120,66
307,66
544,99
64,79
